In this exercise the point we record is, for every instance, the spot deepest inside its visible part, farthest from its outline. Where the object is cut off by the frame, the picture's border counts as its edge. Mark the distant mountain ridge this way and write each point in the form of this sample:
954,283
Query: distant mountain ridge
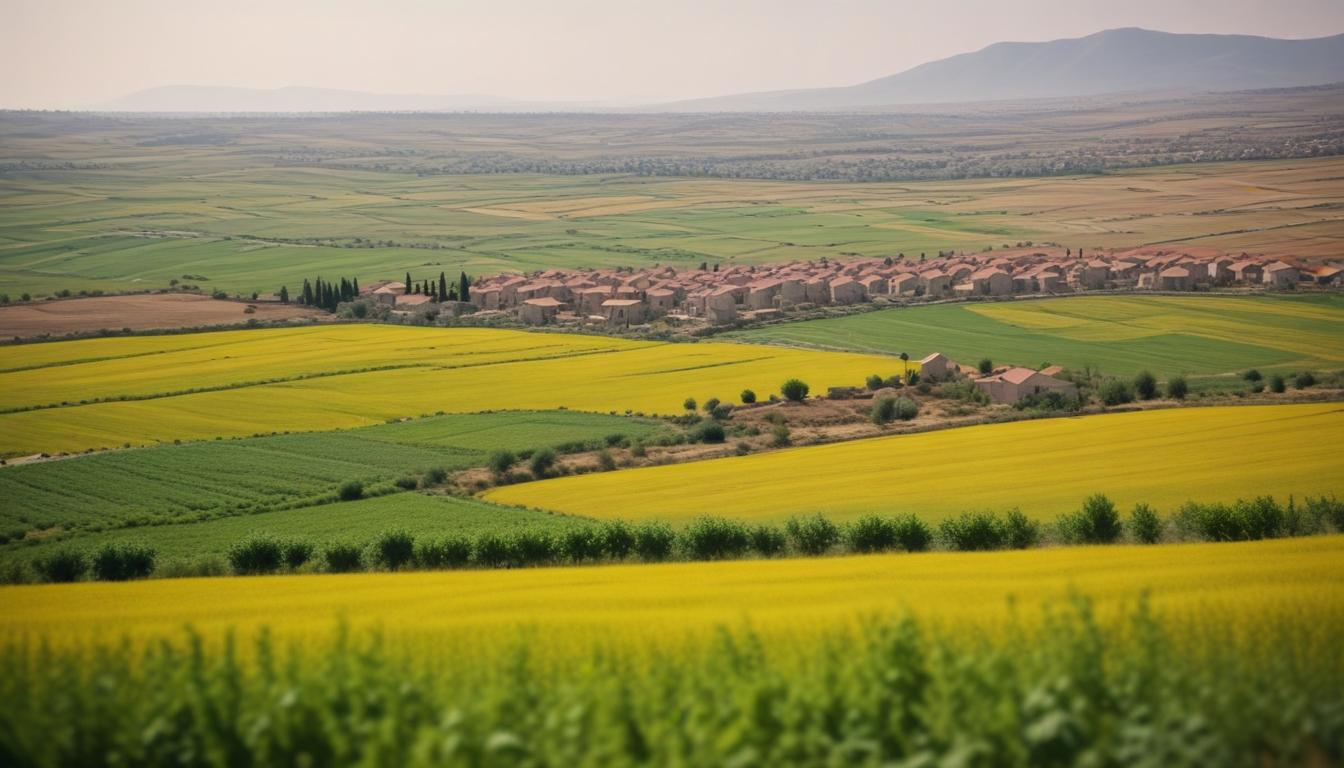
1113,61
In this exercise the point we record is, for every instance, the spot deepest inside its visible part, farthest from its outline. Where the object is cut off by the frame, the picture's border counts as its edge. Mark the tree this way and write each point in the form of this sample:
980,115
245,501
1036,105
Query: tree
1252,375
500,463
463,287
542,462
1304,380
1145,385
986,366
905,361
408,282
711,404
306,296
284,295
748,397
1177,388
443,287
794,390
689,404
1116,392
1277,384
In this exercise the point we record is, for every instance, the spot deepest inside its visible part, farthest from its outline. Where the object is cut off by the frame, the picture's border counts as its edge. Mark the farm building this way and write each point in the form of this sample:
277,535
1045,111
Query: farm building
1280,275
624,312
1014,384
538,311
936,366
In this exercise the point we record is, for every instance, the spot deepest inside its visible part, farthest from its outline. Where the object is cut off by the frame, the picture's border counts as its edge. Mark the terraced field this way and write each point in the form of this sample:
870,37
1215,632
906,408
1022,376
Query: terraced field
1121,335
1045,467
260,382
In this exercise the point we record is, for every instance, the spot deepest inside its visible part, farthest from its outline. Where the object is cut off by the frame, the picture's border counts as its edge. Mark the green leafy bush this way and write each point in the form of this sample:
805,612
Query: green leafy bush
1177,388
654,542
617,540
812,534
794,390
871,533
1116,392
972,532
296,554
1019,531
393,549
122,562
491,550
351,490
533,547
501,462
747,397
542,462
62,566
581,544
713,538
341,557
1145,385
1145,526
447,552
256,555
768,541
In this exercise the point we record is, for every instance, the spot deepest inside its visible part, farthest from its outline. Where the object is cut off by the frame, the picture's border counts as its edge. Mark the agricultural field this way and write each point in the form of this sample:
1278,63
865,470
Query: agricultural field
1044,467
138,312
318,379
256,214
212,479
1199,336
1236,640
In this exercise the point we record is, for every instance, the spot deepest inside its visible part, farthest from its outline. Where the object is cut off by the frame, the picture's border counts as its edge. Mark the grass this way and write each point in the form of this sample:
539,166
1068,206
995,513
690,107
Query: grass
1121,335
453,370
1045,467
200,481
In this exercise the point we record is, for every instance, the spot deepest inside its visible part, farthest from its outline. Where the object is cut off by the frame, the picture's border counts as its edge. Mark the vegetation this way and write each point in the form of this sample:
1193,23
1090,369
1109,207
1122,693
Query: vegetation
794,390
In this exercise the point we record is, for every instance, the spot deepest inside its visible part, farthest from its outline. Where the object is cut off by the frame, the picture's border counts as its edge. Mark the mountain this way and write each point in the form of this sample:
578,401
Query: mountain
1117,60
196,98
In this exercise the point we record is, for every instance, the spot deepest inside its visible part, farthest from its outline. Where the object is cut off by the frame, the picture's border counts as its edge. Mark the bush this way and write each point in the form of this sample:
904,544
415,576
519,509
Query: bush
710,432
654,542
1177,388
501,462
448,552
794,390
296,554
541,463
711,404
1097,522
1209,522
491,550
780,436
1020,532
617,540
1145,385
689,404
351,490
605,462
1145,526
532,547
872,533
1304,380
581,544
257,555
884,410
767,540
1277,384
972,532
343,558
122,562
1252,375
1325,510
1260,518
812,535
722,411
906,409
62,566
393,549
913,534
874,382
1116,392
407,482
435,476
712,538
747,397
986,366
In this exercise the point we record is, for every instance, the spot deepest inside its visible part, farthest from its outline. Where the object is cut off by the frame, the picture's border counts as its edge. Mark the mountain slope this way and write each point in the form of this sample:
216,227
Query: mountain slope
1106,62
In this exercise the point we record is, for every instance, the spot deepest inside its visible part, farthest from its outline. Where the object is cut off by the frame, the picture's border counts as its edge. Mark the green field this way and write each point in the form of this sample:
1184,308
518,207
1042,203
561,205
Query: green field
207,480
1121,335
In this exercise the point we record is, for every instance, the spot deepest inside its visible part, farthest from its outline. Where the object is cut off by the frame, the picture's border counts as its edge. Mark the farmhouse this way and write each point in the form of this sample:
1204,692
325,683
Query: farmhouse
1280,275
623,312
936,366
1014,384
539,311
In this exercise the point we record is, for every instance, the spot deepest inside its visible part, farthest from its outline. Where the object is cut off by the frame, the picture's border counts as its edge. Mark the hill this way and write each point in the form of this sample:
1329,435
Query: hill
1112,61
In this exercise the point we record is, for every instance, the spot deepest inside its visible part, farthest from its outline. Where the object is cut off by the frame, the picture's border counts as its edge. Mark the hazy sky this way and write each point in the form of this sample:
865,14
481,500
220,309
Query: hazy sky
72,53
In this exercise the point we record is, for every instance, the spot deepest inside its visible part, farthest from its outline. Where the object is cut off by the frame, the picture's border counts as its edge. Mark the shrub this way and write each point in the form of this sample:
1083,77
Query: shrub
1020,532
501,462
722,411
257,555
712,538
780,436
1145,385
972,531
1260,518
605,462
711,404
1210,522
296,554
1116,392
122,562
689,404
62,566
884,410
654,542
1177,388
541,463
407,482
581,544
872,533
747,397
812,535
794,390
351,490
913,534
1252,375
1325,509
874,382
435,476
1145,526
1304,380
1097,522
343,558
906,409
448,552
491,550
531,547
710,432
617,540
1277,384
639,451
768,540
986,366
393,549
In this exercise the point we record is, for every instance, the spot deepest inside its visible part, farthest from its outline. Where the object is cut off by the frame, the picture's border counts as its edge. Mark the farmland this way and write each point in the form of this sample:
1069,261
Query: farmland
753,655
1120,335
329,378
1044,467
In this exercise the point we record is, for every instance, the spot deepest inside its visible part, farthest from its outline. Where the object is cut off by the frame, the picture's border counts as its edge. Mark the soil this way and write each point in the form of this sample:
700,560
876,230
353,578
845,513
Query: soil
141,312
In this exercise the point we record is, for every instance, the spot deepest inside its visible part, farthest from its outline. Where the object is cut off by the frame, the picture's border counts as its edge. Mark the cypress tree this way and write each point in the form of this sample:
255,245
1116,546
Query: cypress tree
354,285
284,295
306,295
463,286
408,282
443,287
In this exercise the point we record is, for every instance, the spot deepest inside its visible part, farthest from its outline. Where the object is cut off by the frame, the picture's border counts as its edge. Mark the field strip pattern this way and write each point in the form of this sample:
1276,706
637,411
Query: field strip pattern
1045,467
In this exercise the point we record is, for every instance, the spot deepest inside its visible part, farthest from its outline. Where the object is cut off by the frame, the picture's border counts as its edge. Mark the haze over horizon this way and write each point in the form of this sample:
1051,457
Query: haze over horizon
78,54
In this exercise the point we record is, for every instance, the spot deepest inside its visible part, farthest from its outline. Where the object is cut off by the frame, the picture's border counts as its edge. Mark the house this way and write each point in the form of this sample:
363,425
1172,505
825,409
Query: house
661,301
624,312
761,294
1220,271
1174,279
409,300
388,294
846,290
903,284
874,285
936,366
1095,274
1327,275
1015,384
485,298
1247,272
538,311
935,282
1280,275
991,281
721,306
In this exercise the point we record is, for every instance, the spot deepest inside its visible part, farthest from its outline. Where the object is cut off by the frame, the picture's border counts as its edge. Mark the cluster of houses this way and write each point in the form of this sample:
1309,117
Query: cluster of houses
1004,384
626,297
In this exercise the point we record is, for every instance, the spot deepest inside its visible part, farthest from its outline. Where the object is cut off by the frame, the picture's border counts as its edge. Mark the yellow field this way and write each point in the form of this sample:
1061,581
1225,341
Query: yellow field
650,605
451,370
1045,467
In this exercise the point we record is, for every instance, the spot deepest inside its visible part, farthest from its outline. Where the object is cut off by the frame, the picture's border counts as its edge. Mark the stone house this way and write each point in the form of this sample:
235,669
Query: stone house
624,312
846,290
1280,275
1014,384
538,311
991,281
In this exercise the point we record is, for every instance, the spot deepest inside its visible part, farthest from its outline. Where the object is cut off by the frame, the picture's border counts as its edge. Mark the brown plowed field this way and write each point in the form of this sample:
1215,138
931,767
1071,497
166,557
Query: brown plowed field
139,313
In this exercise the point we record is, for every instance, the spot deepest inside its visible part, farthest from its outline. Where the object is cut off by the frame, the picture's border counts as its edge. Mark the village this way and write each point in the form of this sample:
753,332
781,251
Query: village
736,294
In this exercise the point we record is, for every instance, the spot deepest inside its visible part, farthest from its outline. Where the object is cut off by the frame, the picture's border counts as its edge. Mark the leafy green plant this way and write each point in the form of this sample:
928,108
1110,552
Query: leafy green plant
812,534
1145,526
393,549
62,566
713,538
341,557
122,562
256,555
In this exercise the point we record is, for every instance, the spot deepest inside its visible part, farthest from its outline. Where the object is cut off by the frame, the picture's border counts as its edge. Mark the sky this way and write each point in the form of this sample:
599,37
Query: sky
80,53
